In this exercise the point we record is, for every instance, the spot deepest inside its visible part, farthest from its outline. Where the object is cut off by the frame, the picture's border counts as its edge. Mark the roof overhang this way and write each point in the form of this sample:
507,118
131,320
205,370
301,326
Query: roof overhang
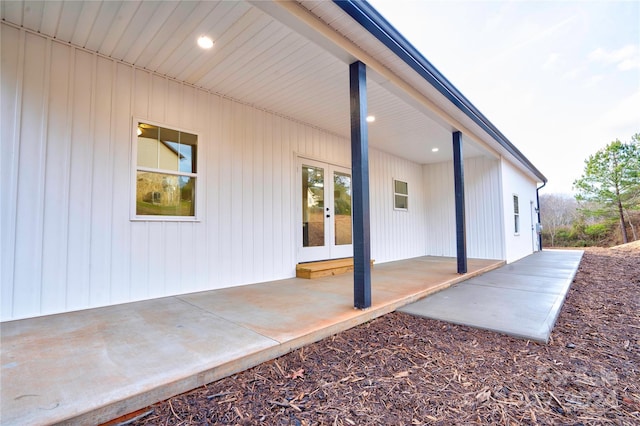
288,58
381,29
400,68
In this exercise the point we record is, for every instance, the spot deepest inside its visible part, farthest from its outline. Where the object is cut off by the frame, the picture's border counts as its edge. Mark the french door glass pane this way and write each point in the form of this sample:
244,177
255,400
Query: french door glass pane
312,206
342,207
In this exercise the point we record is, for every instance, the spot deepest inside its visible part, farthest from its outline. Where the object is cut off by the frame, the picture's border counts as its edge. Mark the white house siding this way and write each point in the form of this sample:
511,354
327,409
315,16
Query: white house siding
67,239
440,209
482,208
516,183
395,234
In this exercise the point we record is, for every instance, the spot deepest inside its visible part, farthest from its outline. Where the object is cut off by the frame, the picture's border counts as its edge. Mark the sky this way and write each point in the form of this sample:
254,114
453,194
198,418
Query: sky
560,79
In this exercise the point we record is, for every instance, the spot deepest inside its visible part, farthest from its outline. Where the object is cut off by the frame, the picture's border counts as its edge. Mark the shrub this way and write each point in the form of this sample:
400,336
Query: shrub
597,231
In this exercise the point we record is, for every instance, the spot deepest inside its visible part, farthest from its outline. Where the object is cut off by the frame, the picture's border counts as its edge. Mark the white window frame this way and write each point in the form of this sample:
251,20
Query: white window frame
135,168
516,214
395,194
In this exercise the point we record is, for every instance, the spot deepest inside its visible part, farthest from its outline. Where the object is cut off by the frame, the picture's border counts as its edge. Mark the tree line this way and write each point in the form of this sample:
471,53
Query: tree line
605,209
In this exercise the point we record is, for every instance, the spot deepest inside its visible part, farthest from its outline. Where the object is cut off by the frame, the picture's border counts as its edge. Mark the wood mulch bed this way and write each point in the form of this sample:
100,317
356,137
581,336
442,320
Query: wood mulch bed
403,370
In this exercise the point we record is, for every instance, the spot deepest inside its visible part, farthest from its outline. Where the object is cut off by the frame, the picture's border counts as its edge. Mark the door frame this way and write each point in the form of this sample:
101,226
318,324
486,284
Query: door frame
330,250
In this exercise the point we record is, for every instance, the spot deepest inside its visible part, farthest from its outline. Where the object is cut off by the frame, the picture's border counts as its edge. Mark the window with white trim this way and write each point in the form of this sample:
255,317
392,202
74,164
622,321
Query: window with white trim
516,215
166,173
400,195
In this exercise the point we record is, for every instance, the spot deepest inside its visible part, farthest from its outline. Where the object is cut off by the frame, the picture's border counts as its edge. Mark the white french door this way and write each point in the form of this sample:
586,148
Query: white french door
324,211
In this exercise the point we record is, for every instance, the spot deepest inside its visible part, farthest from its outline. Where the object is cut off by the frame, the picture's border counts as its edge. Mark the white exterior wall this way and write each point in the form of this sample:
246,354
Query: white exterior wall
395,234
440,209
67,239
515,182
483,209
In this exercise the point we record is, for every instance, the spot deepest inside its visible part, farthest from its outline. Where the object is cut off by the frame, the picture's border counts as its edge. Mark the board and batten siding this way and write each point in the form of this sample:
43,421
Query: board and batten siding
516,183
395,234
67,239
483,208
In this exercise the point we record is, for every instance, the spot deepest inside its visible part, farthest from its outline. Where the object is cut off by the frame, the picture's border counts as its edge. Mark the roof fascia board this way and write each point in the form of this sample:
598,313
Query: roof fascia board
370,19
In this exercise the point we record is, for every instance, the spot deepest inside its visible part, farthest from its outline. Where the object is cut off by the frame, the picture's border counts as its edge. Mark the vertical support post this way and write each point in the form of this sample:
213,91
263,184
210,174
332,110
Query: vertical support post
360,196
458,179
539,215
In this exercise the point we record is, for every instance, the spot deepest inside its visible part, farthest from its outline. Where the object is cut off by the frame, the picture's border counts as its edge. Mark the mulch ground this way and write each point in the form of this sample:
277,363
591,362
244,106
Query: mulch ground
403,370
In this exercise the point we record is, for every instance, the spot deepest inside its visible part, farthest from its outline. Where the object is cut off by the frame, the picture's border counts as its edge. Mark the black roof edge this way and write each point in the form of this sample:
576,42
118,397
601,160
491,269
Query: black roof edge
370,19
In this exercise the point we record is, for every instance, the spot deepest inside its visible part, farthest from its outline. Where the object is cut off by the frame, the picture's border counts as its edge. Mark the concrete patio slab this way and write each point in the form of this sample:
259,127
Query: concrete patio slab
252,306
57,367
91,366
522,299
522,282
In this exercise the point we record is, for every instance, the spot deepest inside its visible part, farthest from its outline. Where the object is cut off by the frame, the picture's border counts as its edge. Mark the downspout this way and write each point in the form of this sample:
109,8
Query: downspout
539,220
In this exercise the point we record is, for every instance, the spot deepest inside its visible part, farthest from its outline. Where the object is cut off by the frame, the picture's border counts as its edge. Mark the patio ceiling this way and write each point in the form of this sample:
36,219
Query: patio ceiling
256,59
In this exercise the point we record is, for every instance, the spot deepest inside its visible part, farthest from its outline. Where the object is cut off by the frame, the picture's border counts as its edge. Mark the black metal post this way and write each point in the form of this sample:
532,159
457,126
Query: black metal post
458,179
360,195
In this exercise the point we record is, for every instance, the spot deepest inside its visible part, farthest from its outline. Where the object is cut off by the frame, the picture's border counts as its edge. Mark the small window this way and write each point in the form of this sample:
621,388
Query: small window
516,215
165,173
400,195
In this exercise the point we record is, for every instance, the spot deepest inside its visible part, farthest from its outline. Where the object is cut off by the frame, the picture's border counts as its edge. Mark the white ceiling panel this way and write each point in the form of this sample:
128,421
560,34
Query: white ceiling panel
123,20
12,11
324,14
168,37
68,20
32,14
220,24
142,24
242,67
85,24
275,63
50,17
155,24
102,24
238,39
255,59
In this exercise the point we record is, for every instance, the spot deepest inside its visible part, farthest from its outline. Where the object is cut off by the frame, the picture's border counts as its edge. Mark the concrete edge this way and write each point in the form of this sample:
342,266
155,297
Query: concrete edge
550,319
192,381
554,312
490,329
149,397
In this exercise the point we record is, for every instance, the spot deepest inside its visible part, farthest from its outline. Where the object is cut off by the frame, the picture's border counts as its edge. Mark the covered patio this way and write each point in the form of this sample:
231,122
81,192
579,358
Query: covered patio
284,85
90,366
110,304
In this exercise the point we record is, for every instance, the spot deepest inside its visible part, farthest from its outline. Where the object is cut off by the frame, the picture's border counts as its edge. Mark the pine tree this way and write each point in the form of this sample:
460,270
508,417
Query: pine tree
611,179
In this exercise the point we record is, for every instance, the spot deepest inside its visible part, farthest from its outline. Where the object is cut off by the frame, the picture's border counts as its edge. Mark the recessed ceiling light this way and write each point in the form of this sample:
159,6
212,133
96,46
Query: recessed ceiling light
435,149
370,119
205,42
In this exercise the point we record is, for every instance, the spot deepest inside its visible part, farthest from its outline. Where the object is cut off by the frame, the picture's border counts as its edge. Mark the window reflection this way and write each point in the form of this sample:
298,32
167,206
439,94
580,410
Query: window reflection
342,207
312,206
166,171
163,194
